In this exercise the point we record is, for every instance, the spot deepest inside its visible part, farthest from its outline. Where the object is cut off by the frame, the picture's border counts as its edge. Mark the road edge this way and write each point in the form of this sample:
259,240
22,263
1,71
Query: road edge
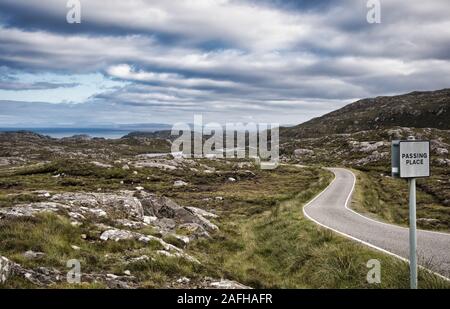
357,239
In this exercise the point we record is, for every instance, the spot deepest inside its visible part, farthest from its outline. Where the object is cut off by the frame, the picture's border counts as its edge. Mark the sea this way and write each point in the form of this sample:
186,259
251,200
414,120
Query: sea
112,133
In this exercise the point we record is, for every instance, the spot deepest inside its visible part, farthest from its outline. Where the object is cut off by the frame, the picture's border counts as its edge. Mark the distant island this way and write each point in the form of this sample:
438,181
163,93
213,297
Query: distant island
109,132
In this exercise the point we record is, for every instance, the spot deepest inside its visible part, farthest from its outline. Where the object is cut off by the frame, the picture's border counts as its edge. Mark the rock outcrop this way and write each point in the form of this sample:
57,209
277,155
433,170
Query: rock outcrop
127,208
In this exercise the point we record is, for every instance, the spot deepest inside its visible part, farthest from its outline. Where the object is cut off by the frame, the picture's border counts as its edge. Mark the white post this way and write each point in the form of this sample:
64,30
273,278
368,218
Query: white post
412,233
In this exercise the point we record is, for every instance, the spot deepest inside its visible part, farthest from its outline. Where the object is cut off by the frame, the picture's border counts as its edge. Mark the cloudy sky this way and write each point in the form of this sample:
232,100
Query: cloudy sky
160,61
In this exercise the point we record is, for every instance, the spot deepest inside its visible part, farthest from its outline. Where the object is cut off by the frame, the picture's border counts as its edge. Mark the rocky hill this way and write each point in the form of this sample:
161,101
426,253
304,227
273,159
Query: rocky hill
359,136
134,216
429,109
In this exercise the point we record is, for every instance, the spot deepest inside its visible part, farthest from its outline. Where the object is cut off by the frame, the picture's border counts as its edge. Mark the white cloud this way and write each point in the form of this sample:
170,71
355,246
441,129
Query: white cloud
234,57
124,71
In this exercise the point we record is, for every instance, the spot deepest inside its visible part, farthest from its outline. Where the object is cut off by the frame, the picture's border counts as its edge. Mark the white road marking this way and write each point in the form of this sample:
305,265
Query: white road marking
357,239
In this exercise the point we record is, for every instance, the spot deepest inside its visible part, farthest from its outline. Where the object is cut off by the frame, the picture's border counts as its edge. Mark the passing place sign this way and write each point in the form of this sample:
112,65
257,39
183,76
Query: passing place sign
414,159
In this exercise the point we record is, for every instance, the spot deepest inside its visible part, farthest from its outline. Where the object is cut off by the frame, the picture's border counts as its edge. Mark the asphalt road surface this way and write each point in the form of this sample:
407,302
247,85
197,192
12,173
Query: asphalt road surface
330,209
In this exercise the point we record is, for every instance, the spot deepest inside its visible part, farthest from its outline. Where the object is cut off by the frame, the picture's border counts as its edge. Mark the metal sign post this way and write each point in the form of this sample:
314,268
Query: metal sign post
411,159
412,234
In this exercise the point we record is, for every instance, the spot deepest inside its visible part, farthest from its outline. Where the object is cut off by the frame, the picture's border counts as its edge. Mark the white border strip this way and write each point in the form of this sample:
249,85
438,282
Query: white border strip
357,239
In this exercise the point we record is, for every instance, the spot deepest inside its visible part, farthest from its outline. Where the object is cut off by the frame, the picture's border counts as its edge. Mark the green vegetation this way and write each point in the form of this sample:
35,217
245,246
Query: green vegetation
279,248
55,236
379,195
263,241
386,198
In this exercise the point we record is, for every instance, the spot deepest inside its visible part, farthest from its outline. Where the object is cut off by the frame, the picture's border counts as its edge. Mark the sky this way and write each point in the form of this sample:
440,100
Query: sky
160,61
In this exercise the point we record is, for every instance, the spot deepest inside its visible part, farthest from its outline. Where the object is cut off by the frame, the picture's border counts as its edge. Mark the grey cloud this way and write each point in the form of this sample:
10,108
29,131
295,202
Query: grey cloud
295,59
17,86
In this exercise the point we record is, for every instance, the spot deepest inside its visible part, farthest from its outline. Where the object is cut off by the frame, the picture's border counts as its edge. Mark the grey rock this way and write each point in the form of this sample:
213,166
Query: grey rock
32,255
227,284
149,219
441,151
41,276
163,207
118,204
165,224
180,183
183,280
142,258
130,223
194,231
428,220
207,224
443,162
154,165
201,212
303,152
5,269
100,164
178,255
116,235
29,210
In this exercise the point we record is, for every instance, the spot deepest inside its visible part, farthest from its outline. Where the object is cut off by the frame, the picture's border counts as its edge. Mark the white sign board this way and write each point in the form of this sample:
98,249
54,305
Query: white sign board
414,159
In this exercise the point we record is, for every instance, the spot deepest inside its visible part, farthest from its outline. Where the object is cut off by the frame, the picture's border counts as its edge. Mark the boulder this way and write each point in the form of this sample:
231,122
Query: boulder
194,231
32,255
178,255
41,276
5,269
165,225
150,219
117,235
29,210
443,162
120,204
163,207
303,152
201,212
180,183
207,224
441,151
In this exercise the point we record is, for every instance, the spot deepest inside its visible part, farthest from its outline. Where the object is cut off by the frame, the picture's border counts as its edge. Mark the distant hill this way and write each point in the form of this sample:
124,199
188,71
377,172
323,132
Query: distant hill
428,109
162,134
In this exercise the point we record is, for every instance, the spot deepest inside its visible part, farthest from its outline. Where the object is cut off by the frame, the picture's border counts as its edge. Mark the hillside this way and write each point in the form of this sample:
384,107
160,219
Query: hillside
430,109
163,134
359,136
